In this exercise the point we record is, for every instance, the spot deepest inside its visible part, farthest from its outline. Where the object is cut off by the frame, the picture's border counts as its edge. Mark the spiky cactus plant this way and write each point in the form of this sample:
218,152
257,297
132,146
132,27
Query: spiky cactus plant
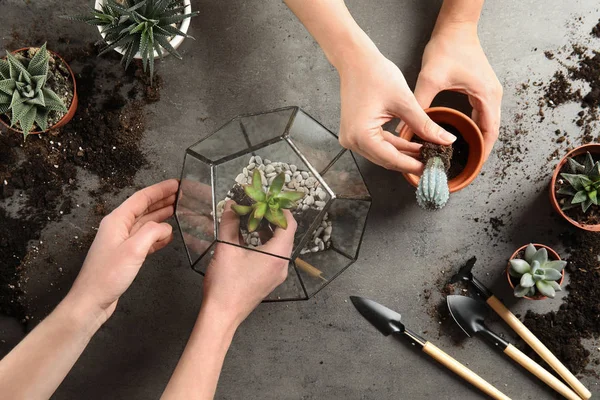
269,204
139,26
433,191
23,91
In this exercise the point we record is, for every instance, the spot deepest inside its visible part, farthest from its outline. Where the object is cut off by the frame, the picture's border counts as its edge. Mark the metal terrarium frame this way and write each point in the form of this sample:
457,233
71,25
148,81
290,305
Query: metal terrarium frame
290,134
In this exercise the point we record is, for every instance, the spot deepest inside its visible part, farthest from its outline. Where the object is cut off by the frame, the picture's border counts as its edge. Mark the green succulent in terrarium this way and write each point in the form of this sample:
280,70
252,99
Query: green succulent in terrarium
269,204
433,191
139,26
23,91
583,183
536,273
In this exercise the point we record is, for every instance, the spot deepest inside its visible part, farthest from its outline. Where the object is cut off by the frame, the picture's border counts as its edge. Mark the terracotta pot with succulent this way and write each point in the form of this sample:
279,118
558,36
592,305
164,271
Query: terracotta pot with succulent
575,185
535,272
37,91
141,29
448,169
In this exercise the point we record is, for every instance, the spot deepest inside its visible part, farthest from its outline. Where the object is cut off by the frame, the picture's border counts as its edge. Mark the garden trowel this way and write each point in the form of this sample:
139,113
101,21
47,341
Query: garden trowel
388,322
469,314
465,274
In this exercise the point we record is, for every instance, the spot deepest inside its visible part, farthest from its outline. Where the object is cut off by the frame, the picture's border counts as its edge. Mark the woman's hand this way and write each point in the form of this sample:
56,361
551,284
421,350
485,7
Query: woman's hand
125,237
454,60
373,92
237,279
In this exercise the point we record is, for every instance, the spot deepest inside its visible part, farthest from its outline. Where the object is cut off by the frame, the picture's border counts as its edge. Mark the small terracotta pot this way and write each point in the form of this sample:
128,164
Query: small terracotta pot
72,108
553,255
469,131
593,148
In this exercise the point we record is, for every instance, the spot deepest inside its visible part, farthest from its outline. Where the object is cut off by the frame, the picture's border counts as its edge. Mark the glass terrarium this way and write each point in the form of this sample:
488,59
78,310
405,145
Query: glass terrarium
331,215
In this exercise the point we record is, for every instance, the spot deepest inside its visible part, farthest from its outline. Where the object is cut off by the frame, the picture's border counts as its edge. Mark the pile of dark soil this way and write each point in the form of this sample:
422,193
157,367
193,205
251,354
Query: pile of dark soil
38,176
579,316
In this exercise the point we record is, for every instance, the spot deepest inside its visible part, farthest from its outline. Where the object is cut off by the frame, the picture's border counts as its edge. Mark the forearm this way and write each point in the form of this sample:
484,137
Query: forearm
37,365
332,26
198,370
459,12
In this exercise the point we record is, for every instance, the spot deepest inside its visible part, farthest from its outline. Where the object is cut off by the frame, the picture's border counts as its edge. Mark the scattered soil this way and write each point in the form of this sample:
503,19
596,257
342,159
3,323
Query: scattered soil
59,80
579,316
591,216
38,176
560,91
596,30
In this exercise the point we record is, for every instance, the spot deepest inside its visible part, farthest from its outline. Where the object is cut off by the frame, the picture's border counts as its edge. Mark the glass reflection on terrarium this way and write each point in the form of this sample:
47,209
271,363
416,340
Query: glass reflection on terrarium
264,164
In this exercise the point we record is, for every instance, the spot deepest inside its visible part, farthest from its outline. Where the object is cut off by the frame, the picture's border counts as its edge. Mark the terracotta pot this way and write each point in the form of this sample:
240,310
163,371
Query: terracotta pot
553,255
72,108
593,148
469,131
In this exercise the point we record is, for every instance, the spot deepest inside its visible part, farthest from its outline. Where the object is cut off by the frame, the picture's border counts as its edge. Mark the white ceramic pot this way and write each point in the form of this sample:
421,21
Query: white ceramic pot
175,42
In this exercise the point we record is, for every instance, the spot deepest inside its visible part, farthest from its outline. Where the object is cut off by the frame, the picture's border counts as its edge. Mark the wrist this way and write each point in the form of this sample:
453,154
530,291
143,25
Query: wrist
220,321
353,49
459,15
82,314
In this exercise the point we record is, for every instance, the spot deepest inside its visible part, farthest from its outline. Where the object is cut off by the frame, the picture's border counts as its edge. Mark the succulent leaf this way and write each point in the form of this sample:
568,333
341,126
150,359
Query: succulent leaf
253,222
579,197
291,196
558,265
255,194
276,217
260,210
530,251
521,291
541,256
277,185
555,286
545,288
550,274
520,266
241,210
526,280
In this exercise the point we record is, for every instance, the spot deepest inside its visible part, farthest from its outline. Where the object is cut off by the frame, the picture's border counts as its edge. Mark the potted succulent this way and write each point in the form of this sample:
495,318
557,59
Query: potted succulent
535,272
266,163
37,91
574,187
141,29
447,168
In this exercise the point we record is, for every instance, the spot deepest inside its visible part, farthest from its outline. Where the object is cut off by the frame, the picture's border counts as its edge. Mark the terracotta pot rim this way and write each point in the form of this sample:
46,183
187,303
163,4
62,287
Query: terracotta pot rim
592,148
72,107
476,148
551,252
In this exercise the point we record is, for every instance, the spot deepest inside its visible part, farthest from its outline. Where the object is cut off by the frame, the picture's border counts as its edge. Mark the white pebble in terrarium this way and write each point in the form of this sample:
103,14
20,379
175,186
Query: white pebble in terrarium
295,180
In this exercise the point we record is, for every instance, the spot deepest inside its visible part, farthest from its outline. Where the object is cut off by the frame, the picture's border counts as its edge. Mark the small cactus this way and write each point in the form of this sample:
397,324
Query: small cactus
433,191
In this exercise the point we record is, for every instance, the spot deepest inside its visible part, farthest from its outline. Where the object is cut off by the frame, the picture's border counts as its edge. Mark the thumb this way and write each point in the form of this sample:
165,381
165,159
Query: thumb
282,241
229,228
419,122
425,92
151,233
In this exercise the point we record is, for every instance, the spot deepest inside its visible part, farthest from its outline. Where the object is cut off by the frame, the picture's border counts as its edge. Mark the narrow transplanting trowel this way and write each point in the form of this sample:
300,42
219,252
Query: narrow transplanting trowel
470,314
388,322
465,274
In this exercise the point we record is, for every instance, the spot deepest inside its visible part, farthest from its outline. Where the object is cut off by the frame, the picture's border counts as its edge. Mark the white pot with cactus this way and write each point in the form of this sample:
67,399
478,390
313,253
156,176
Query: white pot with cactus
141,29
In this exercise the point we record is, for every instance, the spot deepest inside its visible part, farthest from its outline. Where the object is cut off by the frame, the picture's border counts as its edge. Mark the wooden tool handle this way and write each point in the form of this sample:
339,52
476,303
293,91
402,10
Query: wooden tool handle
464,372
538,346
540,372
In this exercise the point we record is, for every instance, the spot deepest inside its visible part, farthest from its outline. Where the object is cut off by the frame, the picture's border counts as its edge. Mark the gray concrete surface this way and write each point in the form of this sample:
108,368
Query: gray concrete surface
253,56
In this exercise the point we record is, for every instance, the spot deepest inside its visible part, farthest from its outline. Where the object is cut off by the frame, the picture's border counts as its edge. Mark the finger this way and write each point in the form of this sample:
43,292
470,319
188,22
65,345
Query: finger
487,117
229,227
425,91
282,241
161,244
420,123
383,153
155,216
169,201
401,144
141,201
147,236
